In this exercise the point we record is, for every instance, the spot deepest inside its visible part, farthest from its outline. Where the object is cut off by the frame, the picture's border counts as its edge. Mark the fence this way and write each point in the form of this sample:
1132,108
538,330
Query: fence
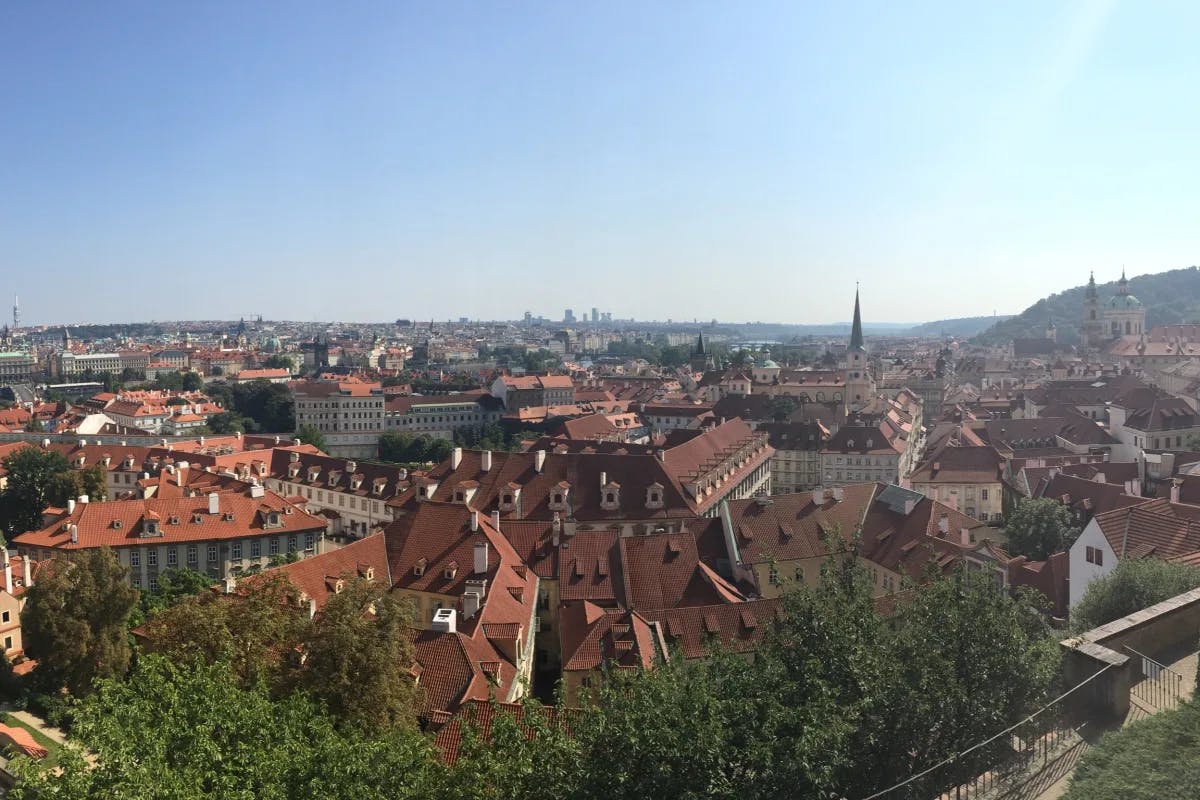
1161,687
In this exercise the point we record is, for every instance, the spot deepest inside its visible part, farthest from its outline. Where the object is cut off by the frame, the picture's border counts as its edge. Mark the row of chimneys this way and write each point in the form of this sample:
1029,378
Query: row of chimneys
485,459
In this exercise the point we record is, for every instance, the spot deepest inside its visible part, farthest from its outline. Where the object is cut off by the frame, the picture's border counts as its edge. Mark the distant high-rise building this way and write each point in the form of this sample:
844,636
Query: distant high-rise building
16,312
569,316
595,314
528,317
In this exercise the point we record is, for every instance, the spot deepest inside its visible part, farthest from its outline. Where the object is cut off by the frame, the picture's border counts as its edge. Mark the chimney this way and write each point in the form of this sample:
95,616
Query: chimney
444,619
1175,490
295,442
965,536
838,494
603,479
29,565
474,521
909,505
481,558
8,583
539,460
470,604
162,442
662,454
456,458
485,461
201,441
74,529
496,520
1100,478
70,506
83,498
229,584
256,491
818,496
943,524
214,503
312,608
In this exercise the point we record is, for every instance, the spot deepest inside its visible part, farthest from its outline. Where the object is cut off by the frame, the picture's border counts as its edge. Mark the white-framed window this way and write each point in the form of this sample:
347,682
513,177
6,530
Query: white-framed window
255,548
1094,555
309,541
135,558
237,549
274,546
172,557
152,558
212,553
191,554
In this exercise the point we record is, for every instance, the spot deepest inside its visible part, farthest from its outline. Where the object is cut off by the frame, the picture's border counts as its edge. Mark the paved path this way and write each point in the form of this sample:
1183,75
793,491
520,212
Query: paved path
41,726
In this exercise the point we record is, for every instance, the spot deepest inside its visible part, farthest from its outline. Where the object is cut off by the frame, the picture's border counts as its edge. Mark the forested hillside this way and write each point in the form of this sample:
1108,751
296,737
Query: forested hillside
1169,297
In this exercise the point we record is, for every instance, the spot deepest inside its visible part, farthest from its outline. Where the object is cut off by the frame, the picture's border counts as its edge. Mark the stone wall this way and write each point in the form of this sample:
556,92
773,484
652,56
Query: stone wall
1161,631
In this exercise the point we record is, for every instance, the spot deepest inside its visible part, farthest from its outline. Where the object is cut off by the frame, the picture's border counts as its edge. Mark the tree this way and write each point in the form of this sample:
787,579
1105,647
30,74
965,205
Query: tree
1040,528
32,476
358,654
174,585
254,631
190,732
226,422
192,382
1134,584
310,434
277,362
91,482
75,620
34,426
781,407
1153,759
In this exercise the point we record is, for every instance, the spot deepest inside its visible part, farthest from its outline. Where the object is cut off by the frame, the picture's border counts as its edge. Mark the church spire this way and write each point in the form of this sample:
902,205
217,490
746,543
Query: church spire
1091,285
856,334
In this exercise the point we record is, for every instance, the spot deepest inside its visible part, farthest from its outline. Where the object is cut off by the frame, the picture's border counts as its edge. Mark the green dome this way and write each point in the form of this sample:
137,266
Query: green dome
1124,301
768,364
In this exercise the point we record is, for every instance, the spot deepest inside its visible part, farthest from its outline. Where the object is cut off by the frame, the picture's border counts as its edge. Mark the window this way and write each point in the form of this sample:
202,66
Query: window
255,549
7,616
773,575
1094,555
212,553
274,547
152,558
237,549
291,544
7,641
135,558
983,494
309,541
172,557
154,584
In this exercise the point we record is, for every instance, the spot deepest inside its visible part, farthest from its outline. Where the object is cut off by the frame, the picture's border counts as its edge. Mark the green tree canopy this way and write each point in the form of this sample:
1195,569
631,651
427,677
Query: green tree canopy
310,434
1134,584
1156,758
358,655
191,731
76,621
1040,528
33,484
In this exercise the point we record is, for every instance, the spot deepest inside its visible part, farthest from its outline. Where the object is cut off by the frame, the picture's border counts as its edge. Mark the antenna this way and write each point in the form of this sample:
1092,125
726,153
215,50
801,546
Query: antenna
16,312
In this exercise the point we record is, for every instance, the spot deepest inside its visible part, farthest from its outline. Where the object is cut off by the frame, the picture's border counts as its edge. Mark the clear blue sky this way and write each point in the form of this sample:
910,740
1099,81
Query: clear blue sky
667,159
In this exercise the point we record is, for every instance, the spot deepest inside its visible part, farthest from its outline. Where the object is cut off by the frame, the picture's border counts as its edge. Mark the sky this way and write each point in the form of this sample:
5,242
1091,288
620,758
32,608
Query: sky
738,161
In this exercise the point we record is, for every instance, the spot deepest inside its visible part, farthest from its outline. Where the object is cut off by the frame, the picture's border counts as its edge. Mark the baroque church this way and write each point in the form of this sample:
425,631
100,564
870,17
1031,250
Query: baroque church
1122,315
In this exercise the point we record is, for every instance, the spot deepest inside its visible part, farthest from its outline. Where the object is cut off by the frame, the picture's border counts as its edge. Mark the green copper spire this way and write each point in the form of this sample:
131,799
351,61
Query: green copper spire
856,334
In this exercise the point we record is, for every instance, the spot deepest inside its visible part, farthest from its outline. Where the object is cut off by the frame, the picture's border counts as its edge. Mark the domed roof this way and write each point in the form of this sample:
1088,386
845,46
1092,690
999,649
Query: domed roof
1124,301
768,364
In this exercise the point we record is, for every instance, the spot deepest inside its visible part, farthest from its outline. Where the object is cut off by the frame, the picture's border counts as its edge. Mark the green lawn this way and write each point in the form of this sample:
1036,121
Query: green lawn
39,737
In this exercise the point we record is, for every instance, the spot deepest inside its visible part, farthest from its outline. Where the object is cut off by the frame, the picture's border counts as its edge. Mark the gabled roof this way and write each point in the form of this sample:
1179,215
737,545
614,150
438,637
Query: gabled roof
592,636
310,575
1157,528
738,626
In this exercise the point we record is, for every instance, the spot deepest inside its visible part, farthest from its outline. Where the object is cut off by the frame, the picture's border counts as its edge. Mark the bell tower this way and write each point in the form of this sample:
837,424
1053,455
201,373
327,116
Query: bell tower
860,385
1091,331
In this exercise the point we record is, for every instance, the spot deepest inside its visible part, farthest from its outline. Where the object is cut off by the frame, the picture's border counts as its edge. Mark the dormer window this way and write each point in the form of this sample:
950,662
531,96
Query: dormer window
654,496
610,499
451,570
117,524
367,572
227,516
355,483
197,518
378,487
273,519
332,478
460,496
293,471
506,499
419,567
338,586
422,491
173,520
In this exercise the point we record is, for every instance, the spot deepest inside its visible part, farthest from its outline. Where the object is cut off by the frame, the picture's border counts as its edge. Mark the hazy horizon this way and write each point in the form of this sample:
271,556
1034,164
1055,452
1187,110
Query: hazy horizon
685,160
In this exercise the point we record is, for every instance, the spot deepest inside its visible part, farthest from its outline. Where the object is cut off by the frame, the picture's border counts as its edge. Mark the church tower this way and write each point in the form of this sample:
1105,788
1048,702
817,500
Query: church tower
860,385
1091,331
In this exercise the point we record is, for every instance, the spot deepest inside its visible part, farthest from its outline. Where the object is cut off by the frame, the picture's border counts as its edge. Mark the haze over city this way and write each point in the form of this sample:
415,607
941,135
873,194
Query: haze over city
445,160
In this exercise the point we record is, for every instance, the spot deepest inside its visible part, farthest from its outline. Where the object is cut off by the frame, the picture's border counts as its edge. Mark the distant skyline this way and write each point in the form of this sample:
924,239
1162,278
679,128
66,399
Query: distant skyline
368,161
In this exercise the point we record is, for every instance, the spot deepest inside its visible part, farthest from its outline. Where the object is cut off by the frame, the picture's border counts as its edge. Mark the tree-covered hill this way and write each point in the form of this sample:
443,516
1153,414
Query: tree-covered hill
1170,297
960,326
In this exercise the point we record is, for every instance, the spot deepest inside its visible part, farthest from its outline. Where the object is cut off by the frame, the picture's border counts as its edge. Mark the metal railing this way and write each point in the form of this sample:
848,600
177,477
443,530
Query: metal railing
1161,687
